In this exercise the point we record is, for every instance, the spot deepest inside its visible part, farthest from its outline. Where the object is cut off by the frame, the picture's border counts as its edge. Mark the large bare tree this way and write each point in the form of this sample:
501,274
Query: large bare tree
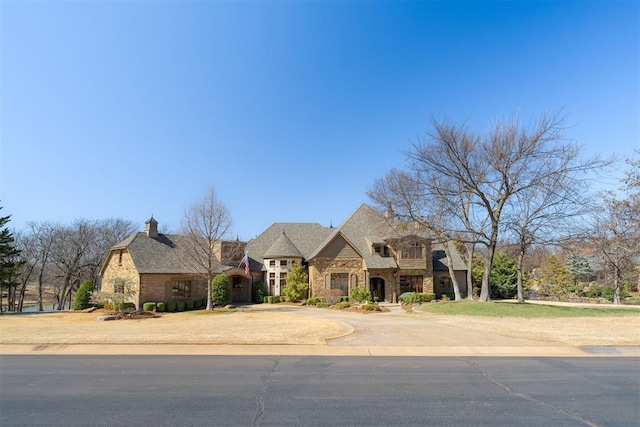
470,178
204,224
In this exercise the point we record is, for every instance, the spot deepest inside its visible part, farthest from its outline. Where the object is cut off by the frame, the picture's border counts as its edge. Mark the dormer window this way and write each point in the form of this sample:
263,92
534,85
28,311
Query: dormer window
377,250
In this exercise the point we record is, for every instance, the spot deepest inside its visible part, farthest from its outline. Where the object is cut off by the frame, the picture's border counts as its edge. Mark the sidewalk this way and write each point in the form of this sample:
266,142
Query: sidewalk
317,350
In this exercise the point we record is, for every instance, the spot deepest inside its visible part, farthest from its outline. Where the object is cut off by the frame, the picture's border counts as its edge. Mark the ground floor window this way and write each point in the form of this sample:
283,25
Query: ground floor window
118,286
272,280
411,284
283,280
181,289
340,281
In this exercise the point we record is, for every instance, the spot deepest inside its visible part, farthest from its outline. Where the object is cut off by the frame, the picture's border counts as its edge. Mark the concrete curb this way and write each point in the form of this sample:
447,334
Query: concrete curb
315,350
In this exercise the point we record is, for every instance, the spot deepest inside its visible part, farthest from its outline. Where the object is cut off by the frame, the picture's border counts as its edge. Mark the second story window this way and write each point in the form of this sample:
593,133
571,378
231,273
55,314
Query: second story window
283,263
412,251
272,263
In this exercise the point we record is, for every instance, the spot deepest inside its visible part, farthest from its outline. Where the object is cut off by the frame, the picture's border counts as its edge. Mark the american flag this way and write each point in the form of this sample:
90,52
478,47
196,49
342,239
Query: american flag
245,260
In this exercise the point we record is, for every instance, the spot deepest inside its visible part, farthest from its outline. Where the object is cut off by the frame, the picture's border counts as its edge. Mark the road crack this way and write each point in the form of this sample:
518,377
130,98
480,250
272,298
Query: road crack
529,398
266,379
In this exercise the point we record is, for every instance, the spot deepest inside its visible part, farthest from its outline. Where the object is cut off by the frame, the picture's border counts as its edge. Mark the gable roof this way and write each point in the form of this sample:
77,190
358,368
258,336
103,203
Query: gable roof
364,225
159,255
300,237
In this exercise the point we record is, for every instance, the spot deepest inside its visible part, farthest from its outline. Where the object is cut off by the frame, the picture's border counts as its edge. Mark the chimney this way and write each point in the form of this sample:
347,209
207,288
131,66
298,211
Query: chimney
151,228
388,214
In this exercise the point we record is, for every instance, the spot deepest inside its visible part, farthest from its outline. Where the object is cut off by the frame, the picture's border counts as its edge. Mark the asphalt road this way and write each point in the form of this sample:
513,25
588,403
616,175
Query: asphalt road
317,391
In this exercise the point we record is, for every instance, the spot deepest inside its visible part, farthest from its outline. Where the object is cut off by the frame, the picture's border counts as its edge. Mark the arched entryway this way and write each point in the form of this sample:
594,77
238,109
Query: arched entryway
240,288
376,287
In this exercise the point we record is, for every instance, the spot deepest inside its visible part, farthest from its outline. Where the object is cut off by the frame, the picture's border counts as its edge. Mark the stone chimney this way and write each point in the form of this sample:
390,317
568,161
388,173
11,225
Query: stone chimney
151,228
388,214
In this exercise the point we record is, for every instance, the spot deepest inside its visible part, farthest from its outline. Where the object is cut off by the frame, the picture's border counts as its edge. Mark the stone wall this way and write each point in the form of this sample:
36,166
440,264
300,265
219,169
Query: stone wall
320,273
120,266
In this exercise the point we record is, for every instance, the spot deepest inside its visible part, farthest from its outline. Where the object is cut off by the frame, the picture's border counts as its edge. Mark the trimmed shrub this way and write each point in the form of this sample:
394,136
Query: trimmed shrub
188,304
149,306
170,306
197,303
417,298
371,307
220,290
128,306
82,299
323,304
180,305
161,307
313,301
265,299
269,299
343,304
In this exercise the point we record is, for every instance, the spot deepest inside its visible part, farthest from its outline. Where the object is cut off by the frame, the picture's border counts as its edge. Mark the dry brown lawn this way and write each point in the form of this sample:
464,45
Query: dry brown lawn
273,327
243,327
573,331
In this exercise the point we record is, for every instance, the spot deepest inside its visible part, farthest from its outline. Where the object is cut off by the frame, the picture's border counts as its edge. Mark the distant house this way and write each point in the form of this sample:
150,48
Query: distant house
368,250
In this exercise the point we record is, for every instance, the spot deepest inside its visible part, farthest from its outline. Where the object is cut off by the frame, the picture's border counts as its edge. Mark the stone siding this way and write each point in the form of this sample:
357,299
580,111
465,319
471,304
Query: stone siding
121,267
320,272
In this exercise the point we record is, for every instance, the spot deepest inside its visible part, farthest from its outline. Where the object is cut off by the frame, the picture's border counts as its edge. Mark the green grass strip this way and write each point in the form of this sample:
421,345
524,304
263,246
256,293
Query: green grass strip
508,309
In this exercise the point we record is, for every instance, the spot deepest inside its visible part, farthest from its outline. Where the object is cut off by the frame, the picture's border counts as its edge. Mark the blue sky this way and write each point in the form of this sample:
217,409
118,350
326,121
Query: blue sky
290,109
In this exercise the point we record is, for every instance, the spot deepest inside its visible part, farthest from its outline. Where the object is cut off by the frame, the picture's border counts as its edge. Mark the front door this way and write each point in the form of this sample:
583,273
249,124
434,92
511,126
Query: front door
376,286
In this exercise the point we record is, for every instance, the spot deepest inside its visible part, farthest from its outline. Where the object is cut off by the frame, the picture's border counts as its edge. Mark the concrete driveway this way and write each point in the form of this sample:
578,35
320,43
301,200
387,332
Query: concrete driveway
398,328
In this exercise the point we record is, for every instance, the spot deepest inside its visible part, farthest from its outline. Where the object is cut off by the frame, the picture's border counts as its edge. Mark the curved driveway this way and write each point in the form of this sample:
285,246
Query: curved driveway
398,328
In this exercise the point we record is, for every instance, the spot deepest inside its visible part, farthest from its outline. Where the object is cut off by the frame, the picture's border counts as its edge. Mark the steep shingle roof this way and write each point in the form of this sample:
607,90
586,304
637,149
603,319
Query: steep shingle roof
283,247
440,259
365,223
161,255
305,237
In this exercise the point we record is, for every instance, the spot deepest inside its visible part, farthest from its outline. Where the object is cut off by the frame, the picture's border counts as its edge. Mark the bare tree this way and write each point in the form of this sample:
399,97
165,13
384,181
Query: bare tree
548,213
72,256
42,238
471,178
204,224
616,239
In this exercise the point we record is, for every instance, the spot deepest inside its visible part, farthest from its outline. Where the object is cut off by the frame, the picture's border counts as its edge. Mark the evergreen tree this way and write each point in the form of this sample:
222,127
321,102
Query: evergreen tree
10,260
504,276
297,283
83,296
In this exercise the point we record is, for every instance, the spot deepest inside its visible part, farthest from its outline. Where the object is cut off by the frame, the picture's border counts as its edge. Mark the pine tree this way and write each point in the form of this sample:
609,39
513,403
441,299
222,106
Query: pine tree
9,259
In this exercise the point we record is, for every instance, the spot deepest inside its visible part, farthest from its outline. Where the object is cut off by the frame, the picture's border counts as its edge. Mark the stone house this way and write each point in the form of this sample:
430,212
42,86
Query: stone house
368,250
150,266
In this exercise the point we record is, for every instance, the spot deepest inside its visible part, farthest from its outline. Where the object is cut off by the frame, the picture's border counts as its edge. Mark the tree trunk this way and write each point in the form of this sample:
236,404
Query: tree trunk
452,274
616,285
470,251
519,284
485,292
209,302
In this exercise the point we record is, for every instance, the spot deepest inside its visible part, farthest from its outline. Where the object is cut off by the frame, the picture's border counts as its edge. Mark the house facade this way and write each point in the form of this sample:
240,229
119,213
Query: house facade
150,266
368,250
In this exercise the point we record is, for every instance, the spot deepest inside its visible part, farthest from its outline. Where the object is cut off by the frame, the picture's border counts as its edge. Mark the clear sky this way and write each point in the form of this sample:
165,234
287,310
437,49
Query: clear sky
290,109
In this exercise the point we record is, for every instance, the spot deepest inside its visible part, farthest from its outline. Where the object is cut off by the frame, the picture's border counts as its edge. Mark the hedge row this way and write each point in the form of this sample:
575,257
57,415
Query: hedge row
271,299
177,305
417,298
